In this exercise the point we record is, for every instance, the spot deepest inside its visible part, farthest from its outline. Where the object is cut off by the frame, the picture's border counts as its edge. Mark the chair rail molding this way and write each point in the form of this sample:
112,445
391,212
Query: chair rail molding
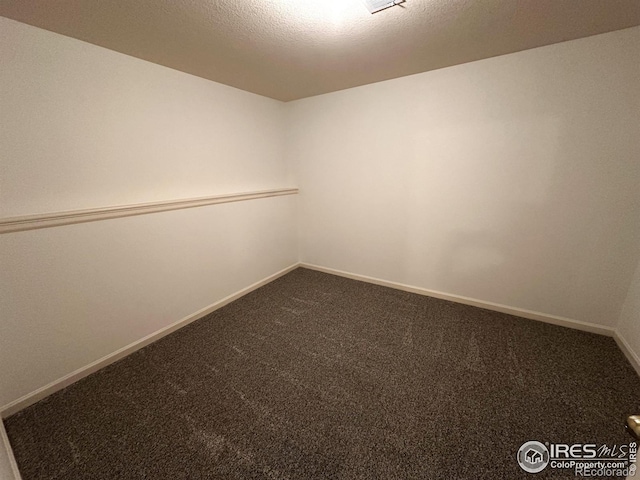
55,219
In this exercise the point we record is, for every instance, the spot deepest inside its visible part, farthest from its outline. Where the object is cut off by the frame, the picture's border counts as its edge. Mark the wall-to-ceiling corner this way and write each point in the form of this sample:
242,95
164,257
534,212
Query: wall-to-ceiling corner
511,181
84,127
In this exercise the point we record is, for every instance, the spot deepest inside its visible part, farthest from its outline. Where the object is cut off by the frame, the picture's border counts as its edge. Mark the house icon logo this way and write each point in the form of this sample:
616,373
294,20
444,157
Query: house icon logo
533,457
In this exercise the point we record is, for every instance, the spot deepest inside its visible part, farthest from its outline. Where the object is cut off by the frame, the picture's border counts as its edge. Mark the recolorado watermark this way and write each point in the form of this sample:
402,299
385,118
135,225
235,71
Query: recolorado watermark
584,459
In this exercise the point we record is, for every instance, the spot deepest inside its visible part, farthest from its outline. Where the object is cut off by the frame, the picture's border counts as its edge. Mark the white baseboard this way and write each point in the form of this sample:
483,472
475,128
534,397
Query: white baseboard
519,312
4,443
634,360
39,394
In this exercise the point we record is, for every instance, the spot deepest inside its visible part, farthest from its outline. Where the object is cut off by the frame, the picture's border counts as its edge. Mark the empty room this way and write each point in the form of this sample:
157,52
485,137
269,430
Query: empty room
319,239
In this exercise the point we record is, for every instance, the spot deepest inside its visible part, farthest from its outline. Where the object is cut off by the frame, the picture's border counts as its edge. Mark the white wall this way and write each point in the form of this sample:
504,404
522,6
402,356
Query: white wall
5,467
8,466
629,326
511,180
86,127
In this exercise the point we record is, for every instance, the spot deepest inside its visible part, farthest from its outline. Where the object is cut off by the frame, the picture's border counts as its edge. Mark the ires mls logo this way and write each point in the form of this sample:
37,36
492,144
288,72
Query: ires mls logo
577,450
585,459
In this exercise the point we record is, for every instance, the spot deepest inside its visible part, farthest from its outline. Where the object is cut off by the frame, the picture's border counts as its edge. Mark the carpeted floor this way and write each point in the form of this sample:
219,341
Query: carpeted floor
315,376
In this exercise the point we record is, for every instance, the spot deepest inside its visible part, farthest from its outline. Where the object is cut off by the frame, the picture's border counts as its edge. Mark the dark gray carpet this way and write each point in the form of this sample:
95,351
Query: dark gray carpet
315,376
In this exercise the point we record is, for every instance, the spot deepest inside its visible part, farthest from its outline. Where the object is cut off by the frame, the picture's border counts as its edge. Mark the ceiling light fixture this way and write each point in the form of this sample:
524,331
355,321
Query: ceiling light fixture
377,5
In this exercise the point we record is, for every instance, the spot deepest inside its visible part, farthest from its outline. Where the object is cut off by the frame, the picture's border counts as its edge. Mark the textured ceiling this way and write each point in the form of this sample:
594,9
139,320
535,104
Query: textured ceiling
290,49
